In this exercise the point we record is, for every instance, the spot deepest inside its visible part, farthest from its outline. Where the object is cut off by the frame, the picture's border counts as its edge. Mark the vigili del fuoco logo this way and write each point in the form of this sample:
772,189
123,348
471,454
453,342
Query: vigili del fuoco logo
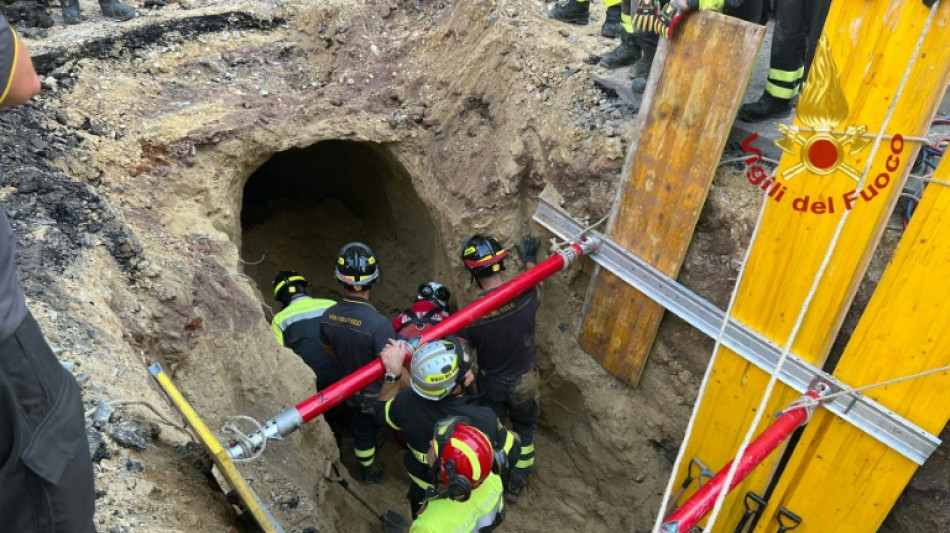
821,147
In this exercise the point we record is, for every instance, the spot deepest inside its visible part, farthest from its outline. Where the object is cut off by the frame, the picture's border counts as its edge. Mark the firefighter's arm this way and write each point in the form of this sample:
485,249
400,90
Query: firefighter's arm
18,80
392,356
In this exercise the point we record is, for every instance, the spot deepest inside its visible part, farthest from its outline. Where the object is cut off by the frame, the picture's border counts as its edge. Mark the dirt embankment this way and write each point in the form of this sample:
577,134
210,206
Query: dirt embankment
126,184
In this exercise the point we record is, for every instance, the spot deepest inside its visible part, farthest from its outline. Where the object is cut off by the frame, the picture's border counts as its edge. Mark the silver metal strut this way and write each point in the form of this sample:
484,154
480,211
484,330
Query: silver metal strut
857,409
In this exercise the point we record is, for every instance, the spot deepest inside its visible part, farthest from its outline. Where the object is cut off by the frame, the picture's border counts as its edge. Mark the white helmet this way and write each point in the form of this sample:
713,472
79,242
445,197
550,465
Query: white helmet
438,366
434,292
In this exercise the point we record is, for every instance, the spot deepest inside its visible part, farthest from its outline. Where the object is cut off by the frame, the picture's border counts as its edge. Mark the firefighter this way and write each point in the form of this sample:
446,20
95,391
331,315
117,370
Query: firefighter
798,25
297,326
440,371
113,9
578,12
430,308
468,493
355,333
46,478
628,52
645,30
504,341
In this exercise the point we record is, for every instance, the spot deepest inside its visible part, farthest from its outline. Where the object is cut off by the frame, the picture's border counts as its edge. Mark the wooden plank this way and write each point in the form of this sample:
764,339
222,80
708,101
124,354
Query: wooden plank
838,474
690,103
870,45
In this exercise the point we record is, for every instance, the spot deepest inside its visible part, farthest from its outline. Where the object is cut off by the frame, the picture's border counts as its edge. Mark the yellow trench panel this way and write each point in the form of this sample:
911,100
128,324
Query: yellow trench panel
682,130
217,453
839,474
871,43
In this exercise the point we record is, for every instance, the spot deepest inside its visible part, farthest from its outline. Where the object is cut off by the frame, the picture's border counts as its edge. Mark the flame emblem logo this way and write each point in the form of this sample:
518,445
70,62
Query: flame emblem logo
822,107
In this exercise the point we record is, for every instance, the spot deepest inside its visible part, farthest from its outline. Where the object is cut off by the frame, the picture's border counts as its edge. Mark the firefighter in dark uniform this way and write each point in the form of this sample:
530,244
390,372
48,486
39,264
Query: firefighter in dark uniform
297,326
504,341
355,333
440,371
46,481
798,25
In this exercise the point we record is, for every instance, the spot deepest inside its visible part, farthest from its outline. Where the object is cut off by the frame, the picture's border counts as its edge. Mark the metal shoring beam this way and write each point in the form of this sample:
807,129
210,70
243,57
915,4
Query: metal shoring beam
857,409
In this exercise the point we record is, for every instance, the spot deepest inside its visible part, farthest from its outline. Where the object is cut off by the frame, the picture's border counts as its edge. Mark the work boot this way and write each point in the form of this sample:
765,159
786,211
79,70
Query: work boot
641,69
611,26
116,10
513,492
626,53
767,106
572,12
639,85
372,474
71,14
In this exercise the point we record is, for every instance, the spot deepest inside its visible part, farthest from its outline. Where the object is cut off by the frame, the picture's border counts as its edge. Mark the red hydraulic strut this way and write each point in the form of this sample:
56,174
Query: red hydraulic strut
700,503
291,419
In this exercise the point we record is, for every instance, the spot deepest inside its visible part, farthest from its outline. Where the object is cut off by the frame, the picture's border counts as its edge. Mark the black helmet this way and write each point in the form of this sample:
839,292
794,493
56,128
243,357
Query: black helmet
483,255
288,284
356,266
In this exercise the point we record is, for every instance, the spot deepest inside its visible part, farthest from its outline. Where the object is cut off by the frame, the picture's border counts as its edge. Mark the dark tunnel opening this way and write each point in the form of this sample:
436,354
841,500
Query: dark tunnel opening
302,205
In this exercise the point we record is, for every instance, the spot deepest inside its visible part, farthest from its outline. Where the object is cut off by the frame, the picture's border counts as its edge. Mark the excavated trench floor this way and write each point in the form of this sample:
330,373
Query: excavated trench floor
175,163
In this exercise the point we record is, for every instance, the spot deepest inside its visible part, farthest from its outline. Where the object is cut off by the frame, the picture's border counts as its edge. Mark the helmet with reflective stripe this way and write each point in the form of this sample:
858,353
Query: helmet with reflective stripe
434,292
438,366
356,266
483,255
288,284
464,458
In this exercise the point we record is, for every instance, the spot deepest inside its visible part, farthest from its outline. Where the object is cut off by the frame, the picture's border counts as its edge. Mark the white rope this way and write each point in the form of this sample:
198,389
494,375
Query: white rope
715,354
557,245
924,140
743,158
245,442
929,180
807,401
161,416
811,293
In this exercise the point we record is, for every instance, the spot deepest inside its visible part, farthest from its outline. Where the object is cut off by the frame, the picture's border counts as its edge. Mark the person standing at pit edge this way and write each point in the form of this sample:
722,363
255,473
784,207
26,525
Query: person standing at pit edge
46,480
356,333
504,341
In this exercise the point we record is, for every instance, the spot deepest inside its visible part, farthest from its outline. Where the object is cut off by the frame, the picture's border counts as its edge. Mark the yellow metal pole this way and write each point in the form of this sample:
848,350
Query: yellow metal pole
217,453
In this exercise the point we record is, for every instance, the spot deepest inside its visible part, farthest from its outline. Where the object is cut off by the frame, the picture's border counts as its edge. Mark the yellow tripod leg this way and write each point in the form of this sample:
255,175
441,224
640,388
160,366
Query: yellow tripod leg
218,454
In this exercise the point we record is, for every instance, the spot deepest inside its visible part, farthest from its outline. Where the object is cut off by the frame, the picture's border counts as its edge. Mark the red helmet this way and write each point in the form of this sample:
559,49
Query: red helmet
464,457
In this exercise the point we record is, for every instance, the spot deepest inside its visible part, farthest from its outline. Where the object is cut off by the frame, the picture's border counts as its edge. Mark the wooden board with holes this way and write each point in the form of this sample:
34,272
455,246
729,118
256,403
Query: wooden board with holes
854,87
838,474
688,109
218,454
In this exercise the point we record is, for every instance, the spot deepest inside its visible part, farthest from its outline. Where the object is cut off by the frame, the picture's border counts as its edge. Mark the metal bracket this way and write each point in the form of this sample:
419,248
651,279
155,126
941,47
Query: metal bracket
864,413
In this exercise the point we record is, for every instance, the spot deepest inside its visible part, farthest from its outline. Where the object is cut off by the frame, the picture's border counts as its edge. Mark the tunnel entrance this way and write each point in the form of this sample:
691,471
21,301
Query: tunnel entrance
302,205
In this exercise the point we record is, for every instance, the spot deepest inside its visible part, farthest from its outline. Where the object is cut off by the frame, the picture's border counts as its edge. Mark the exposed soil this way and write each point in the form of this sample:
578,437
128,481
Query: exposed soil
175,162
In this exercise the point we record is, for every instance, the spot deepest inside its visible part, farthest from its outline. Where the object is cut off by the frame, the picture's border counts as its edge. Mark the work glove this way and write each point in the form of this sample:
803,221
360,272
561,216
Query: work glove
645,15
671,14
528,249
